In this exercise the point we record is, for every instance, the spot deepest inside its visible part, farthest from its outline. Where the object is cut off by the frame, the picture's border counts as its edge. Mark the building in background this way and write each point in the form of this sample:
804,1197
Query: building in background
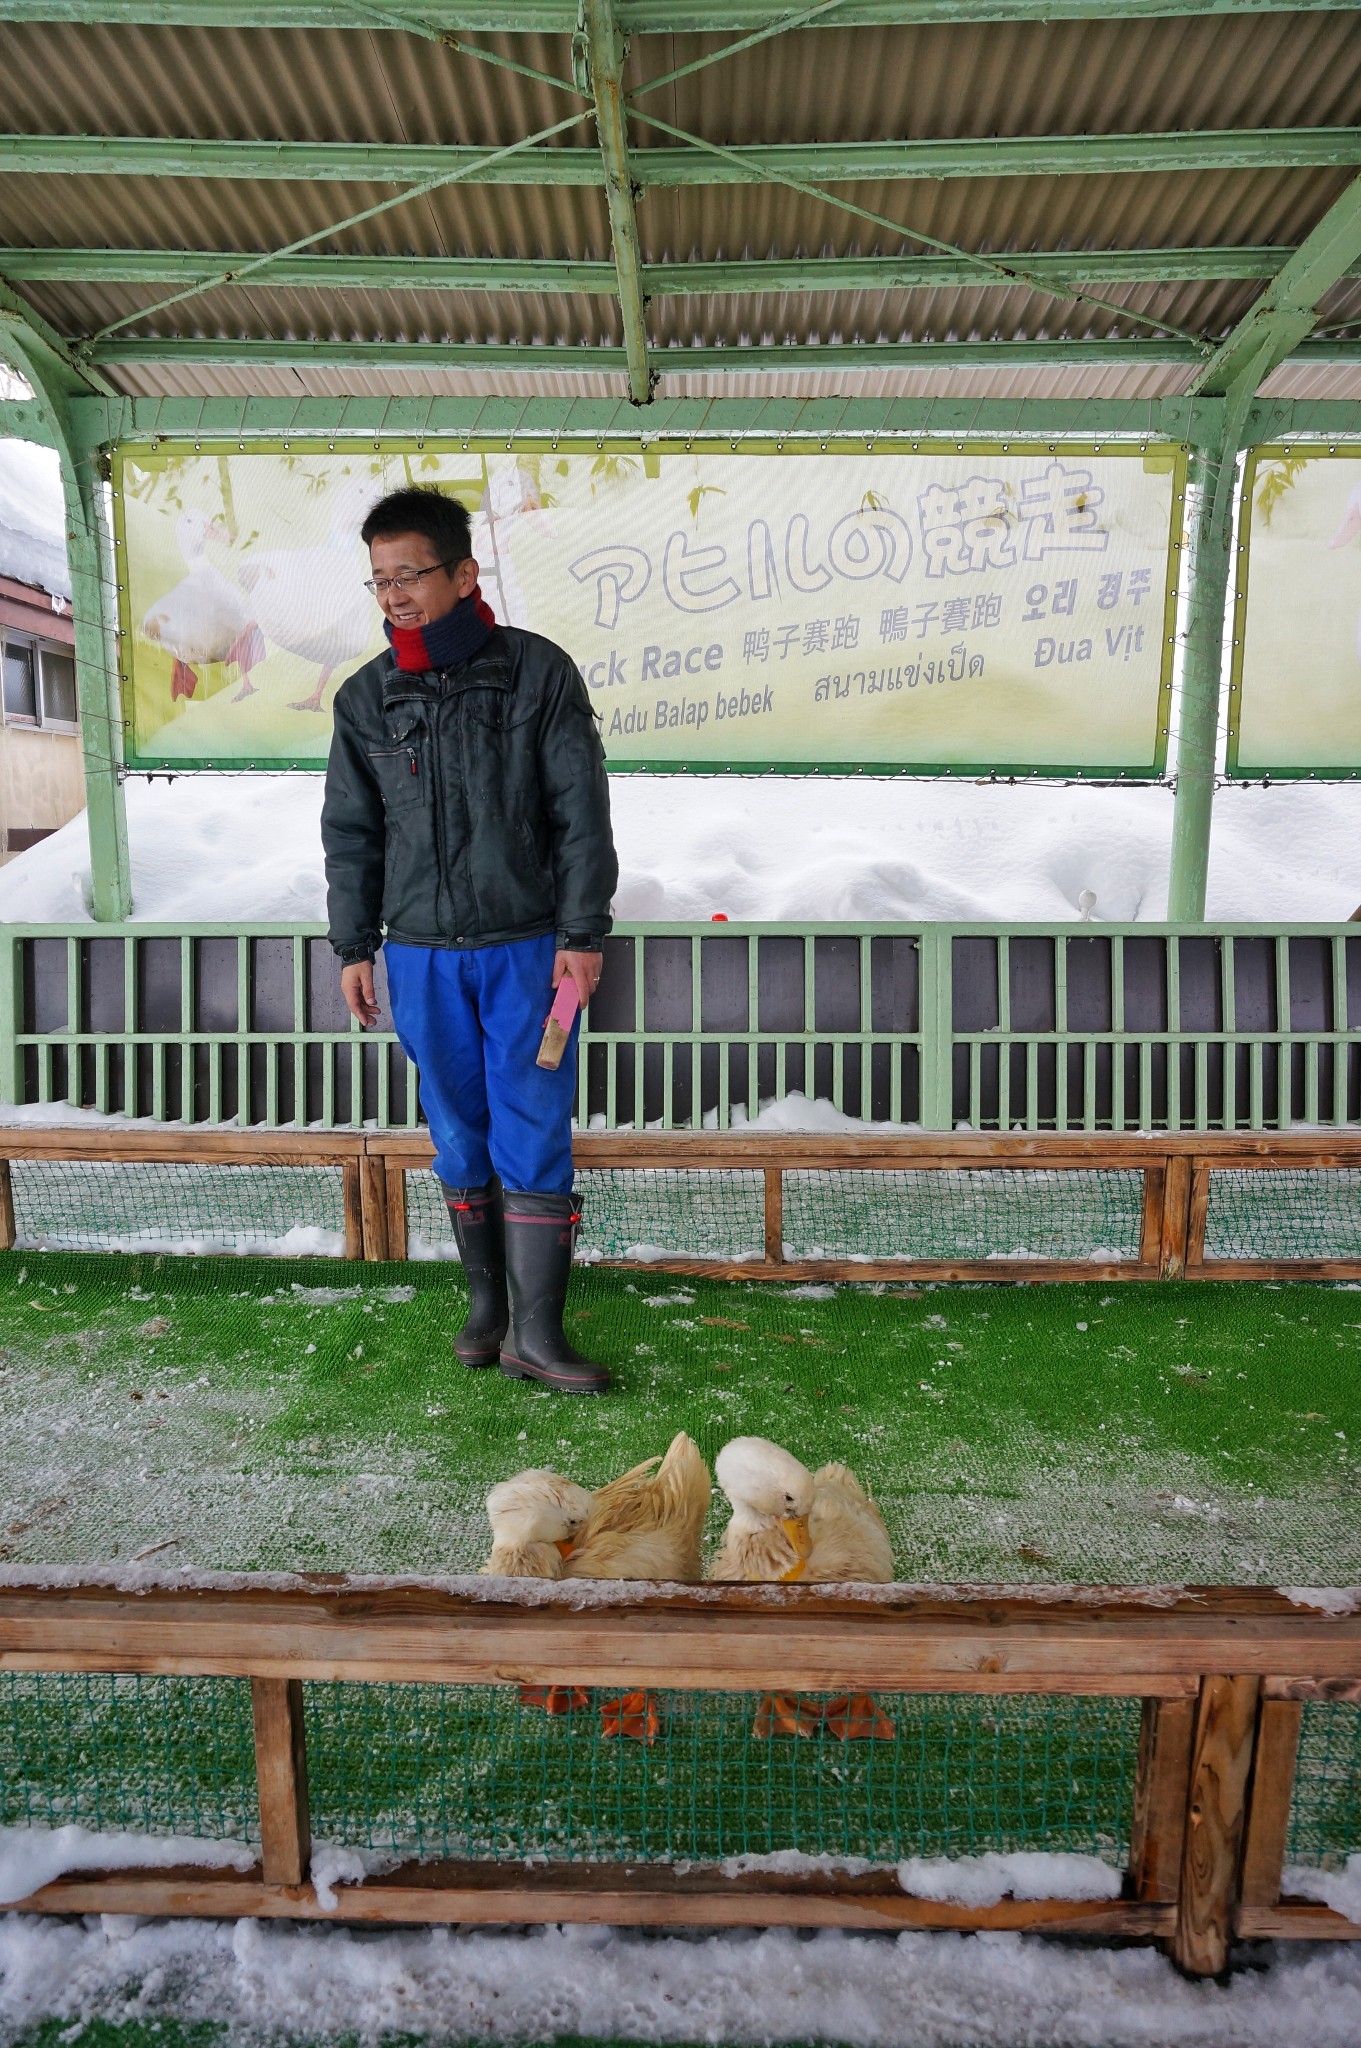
41,778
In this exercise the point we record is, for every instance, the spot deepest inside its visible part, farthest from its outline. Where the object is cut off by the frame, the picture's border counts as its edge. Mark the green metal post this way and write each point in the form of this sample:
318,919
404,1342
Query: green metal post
605,52
42,359
1212,469
935,1009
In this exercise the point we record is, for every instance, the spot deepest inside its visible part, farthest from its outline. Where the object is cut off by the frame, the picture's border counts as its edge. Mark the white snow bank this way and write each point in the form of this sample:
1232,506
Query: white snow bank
242,849
336,1863
33,1857
259,1979
797,1863
303,1241
1340,1889
988,1879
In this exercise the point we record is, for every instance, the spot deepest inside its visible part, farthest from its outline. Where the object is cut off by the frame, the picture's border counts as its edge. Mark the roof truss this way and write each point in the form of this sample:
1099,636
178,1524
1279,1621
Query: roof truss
634,17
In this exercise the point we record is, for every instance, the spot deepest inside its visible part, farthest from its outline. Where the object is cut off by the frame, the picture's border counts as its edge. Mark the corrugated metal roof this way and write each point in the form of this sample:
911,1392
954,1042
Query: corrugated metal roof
1013,79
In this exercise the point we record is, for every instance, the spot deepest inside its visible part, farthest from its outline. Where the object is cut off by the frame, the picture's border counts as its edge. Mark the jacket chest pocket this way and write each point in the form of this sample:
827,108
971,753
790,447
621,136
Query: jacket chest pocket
400,770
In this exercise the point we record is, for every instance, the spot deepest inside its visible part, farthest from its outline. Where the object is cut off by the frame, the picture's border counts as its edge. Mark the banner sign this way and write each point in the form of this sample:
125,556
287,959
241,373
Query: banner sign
1295,685
968,608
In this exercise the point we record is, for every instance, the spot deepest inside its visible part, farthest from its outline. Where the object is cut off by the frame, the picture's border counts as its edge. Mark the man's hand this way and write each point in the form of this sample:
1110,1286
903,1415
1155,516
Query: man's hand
356,985
584,969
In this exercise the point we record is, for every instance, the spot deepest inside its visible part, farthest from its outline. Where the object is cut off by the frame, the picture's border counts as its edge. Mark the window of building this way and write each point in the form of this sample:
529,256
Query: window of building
39,684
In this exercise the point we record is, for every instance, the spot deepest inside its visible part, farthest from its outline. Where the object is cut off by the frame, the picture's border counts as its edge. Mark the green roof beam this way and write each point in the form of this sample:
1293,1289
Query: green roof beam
678,362
636,17
660,280
1287,311
605,51
822,162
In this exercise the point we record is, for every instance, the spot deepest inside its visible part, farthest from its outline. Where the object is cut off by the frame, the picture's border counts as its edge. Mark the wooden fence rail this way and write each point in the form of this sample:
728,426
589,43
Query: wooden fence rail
1178,1172
1222,1673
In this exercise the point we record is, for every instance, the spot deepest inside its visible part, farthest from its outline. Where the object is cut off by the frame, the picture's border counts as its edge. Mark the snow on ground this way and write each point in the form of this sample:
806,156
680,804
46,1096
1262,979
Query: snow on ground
33,1857
215,848
32,517
882,1991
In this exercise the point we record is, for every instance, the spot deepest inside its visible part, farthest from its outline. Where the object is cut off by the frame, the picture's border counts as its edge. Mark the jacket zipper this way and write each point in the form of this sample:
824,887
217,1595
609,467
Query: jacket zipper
437,791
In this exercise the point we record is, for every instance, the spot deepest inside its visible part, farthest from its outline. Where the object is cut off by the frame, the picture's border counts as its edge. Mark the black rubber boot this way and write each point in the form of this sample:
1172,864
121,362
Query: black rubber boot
540,1235
480,1236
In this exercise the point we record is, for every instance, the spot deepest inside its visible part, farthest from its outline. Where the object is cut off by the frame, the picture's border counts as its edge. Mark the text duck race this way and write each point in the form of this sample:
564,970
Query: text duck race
930,608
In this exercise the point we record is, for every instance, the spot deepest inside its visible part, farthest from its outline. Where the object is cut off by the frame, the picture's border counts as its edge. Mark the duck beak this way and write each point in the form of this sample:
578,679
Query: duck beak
796,1529
565,1545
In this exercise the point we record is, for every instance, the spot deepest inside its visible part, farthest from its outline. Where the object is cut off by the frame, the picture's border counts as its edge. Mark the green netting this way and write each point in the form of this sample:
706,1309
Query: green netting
1325,1810
123,1753
966,1213
142,1205
630,1212
1284,1213
472,1771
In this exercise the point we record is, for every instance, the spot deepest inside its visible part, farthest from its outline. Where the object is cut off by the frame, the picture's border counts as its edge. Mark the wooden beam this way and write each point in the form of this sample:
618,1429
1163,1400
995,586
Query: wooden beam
1100,1640
281,1776
373,1202
1207,1900
1273,1784
351,1176
395,1190
1160,1797
641,1894
1296,1923
6,1208
1151,1218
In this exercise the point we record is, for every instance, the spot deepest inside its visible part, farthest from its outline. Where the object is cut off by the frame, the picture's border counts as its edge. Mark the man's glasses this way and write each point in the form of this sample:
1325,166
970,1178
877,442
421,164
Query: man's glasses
381,585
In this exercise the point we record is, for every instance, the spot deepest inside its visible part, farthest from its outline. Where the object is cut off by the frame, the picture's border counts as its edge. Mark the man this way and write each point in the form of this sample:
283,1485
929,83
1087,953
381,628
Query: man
467,811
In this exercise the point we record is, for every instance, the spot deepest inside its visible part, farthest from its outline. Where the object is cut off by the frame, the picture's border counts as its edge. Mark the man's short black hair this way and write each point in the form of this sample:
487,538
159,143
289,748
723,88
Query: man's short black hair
425,510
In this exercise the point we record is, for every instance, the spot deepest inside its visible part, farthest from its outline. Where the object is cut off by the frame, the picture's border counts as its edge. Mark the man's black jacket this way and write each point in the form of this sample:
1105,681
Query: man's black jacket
468,806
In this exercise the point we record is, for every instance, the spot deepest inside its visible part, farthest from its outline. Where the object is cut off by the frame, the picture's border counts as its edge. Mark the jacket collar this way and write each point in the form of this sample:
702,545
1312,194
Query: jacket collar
488,669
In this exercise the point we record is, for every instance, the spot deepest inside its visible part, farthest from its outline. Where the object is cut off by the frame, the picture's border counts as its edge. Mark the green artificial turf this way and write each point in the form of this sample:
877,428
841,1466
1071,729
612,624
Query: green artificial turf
263,1414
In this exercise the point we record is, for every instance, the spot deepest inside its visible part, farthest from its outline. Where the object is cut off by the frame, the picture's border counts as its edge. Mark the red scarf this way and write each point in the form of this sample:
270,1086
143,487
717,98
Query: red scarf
443,643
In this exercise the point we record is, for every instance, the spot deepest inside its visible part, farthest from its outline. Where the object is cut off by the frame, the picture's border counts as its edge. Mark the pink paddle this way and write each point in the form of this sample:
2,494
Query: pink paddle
558,1028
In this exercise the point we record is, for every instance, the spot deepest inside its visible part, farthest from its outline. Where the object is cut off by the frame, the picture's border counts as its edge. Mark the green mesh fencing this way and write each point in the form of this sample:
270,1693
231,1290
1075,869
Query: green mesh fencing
139,1205
629,1212
1325,1809
966,1213
127,1754
1284,1213
466,1771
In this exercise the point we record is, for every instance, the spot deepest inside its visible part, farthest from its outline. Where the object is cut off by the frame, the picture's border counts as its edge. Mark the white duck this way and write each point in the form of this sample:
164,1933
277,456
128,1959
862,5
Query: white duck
792,1524
535,1519
647,1523
1346,532
203,619
312,601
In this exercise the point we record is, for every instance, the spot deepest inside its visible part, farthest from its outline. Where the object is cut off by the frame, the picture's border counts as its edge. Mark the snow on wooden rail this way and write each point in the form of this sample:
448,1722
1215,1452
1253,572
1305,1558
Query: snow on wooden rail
1178,1173
1222,1673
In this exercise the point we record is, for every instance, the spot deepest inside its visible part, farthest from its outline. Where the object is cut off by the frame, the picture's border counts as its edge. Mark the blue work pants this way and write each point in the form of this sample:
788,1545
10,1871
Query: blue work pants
472,1020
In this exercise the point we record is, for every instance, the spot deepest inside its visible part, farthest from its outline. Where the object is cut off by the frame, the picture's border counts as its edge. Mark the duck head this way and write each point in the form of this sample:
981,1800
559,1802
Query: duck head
193,531
767,1486
538,1507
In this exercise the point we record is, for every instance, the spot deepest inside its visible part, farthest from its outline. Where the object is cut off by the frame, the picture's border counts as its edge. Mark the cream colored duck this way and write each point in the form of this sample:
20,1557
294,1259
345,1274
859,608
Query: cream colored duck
791,1524
536,1517
647,1524
203,619
312,601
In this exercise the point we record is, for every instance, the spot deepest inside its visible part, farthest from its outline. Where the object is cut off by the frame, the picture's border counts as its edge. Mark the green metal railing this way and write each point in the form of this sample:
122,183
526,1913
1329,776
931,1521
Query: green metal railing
1074,1027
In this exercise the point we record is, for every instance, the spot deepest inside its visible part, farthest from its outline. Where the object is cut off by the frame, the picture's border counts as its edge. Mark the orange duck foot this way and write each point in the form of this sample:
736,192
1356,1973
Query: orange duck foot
856,1718
783,1713
555,1699
633,1714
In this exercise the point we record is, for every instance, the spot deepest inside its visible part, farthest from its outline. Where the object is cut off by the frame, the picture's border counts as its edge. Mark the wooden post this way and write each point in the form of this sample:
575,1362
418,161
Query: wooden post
1197,1209
6,1208
1273,1782
373,1201
354,1209
1151,1226
281,1774
774,1215
394,1174
1176,1201
1160,1797
1221,1761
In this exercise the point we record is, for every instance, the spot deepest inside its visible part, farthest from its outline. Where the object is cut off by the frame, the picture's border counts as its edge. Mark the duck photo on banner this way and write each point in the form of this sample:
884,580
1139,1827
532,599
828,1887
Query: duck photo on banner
966,606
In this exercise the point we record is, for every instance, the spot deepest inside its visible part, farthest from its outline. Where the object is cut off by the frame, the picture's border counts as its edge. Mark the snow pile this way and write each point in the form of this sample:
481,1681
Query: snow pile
262,1980
244,849
32,517
33,1857
336,1863
1338,1600
1340,1889
303,1241
1025,1874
